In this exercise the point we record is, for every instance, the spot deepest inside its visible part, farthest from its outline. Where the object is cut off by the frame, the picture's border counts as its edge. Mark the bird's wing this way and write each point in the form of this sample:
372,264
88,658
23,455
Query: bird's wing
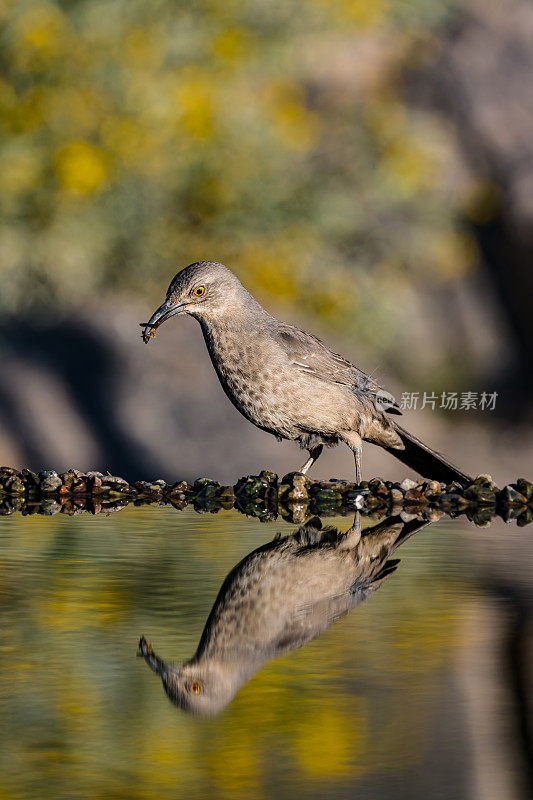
309,621
313,357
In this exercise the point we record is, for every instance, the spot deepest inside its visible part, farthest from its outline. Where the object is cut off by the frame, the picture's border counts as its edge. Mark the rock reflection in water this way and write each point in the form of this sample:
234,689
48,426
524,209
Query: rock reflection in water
278,598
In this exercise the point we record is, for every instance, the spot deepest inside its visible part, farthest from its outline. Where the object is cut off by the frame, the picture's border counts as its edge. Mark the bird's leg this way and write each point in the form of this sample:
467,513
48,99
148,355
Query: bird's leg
356,527
352,537
357,451
314,453
355,443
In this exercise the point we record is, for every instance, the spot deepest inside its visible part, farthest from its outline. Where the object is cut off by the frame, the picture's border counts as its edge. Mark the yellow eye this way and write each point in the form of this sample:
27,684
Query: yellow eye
199,291
194,688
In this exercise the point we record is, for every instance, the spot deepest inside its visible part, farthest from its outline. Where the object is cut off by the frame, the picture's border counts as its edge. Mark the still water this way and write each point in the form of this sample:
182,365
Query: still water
422,690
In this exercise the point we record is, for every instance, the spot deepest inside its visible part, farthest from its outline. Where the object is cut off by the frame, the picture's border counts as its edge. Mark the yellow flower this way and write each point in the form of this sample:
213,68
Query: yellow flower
81,167
194,96
232,44
43,29
295,125
361,13
21,171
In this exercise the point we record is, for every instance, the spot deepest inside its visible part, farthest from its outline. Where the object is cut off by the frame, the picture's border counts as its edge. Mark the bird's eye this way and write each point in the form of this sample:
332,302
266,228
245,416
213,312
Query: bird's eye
194,688
199,291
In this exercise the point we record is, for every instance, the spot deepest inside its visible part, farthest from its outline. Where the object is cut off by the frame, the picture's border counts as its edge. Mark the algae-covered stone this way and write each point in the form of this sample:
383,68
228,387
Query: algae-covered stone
94,483
299,478
432,489
269,477
454,488
450,502
480,516
294,487
49,480
114,482
326,496
30,479
177,490
297,493
510,497
67,479
480,494
297,513
48,507
14,485
253,487
483,480
414,496
141,486
179,502
10,505
524,487
154,490
205,489
525,518
396,496
486,480
509,513
378,488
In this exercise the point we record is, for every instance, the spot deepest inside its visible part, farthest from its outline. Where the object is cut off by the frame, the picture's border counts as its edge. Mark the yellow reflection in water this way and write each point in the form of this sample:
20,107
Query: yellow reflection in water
80,709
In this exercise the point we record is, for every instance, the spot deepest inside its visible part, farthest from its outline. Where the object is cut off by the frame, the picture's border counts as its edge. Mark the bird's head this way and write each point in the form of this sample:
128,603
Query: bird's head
203,290
202,688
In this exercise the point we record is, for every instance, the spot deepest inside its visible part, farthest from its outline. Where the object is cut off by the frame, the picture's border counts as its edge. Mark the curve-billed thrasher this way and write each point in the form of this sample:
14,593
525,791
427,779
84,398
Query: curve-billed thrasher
278,598
286,381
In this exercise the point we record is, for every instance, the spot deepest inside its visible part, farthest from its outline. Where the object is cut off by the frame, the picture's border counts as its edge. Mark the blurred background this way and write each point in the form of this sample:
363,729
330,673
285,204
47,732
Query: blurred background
365,168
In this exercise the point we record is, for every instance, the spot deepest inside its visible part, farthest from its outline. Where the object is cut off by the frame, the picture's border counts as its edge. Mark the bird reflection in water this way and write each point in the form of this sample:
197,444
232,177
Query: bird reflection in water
278,598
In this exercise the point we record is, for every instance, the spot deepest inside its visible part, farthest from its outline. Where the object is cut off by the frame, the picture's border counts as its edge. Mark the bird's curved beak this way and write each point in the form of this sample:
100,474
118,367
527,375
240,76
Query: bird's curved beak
165,311
155,663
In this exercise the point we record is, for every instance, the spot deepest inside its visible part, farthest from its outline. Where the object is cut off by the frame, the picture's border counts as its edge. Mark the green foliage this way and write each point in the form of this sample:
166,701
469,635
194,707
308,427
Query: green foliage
270,136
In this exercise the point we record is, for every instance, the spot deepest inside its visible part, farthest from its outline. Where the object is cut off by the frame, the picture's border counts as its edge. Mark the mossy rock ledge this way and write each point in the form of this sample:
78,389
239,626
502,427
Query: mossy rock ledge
294,497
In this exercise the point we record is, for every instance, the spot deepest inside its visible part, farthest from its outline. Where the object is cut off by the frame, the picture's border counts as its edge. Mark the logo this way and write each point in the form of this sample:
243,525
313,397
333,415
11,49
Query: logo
384,400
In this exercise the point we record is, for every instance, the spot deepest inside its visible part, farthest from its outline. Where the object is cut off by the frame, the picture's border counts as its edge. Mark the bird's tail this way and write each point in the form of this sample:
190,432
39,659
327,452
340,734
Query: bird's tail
427,462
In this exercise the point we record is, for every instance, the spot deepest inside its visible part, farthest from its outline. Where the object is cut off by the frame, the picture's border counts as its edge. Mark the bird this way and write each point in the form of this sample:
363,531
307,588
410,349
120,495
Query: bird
278,598
288,382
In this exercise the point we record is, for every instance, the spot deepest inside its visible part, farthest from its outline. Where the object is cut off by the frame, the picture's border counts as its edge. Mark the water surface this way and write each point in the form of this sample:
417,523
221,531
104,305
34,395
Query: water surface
422,690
